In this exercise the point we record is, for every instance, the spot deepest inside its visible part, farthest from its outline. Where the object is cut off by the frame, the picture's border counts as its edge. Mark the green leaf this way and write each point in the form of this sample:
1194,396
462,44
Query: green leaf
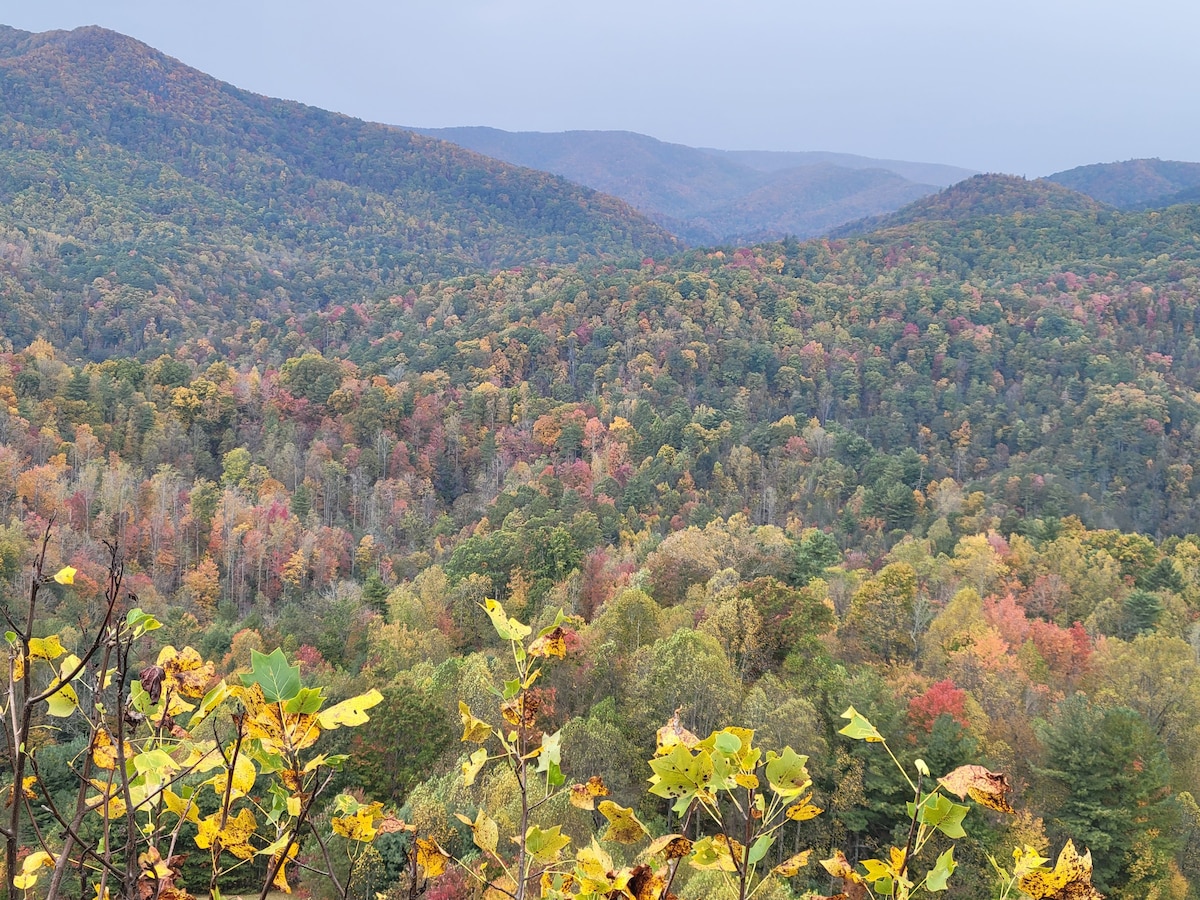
760,847
271,672
550,759
551,751
859,728
219,693
155,762
944,815
787,773
680,776
727,742
545,846
140,622
942,870
308,701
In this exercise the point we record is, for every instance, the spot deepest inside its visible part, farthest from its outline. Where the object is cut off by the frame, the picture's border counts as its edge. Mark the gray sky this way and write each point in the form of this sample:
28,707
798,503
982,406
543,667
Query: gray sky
1022,86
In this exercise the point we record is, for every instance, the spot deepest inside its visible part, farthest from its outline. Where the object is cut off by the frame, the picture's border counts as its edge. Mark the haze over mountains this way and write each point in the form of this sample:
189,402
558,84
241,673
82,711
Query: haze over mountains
1135,183
711,196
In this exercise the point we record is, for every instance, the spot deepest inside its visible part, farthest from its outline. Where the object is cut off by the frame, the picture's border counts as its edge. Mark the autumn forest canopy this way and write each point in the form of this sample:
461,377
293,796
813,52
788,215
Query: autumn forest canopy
402,412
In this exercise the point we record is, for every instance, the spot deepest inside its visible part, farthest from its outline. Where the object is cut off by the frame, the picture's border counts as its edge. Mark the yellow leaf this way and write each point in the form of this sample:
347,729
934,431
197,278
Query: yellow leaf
185,809
280,882
431,858
552,643
104,752
184,671
107,803
349,712
674,733
624,827
1071,878
243,776
474,730
717,853
29,869
280,731
583,796
153,866
63,702
234,837
359,826
472,767
293,806
65,575
791,866
803,810
839,867
27,784
46,648
484,830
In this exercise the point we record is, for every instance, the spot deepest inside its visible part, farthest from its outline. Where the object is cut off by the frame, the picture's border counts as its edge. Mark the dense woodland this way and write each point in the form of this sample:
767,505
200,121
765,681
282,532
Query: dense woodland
943,473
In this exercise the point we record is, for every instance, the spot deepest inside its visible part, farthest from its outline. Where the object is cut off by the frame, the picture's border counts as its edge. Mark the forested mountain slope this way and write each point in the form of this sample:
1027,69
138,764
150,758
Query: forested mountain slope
141,199
763,486
1133,184
980,195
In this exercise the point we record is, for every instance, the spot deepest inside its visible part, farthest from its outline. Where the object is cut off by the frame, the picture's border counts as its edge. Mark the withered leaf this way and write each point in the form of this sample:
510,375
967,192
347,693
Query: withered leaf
151,679
672,846
645,884
990,789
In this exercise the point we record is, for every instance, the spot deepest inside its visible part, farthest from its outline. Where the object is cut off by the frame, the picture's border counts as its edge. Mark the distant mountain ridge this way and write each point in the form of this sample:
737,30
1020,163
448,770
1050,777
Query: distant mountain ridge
193,201
777,160
713,196
1135,183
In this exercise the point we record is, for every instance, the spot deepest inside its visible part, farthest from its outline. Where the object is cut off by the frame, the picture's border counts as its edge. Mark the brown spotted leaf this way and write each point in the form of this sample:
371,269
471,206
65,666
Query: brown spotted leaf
553,643
672,846
104,751
1071,878
623,826
990,789
583,796
839,867
674,733
645,884
793,864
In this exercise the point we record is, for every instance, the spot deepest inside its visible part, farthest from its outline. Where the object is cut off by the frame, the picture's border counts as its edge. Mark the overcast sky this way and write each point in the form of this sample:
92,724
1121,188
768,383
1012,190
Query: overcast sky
1022,86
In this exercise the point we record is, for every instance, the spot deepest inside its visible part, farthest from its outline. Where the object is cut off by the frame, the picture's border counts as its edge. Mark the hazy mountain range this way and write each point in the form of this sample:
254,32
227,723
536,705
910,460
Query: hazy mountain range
711,196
